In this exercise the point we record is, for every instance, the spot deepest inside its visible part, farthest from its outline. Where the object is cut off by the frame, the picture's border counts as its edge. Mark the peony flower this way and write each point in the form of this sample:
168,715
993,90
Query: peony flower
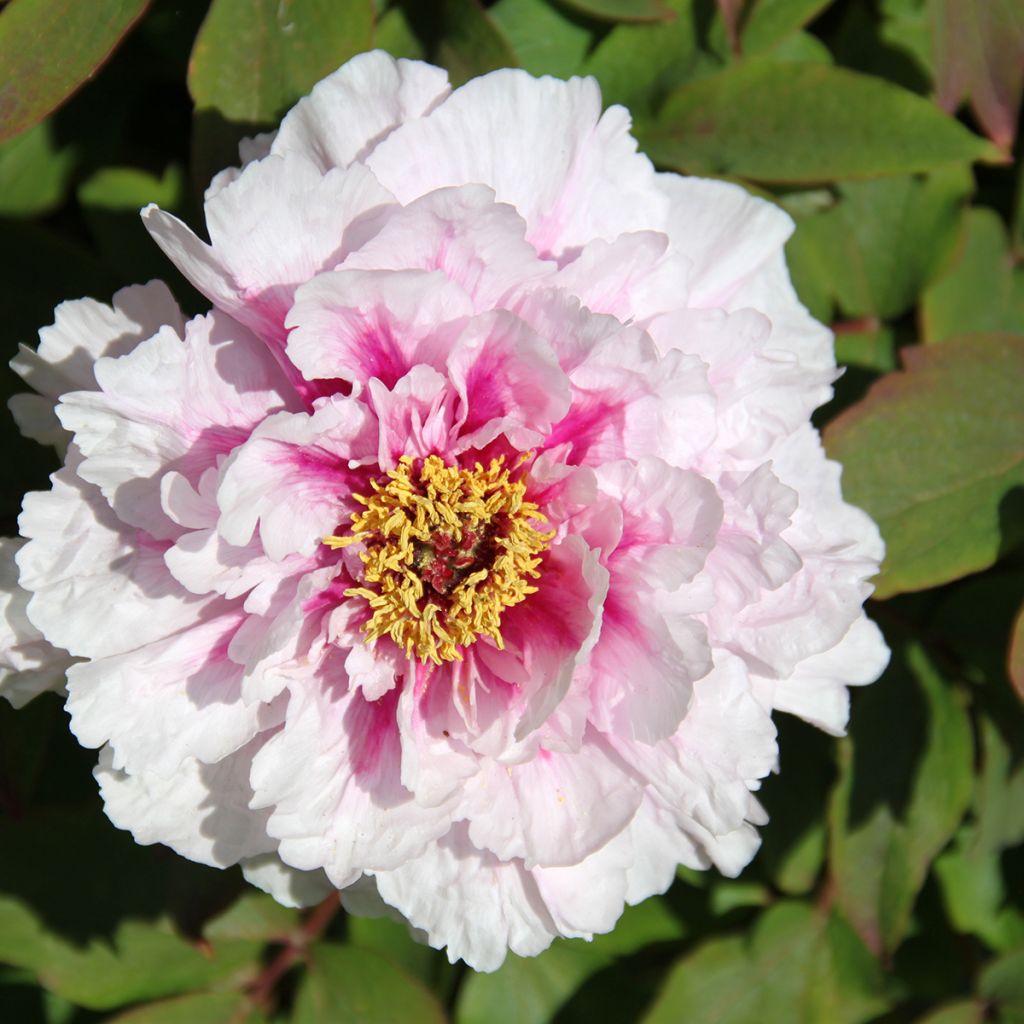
459,556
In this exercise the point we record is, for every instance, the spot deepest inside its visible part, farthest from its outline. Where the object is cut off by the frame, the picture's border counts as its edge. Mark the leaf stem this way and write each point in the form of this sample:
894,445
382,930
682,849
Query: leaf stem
261,989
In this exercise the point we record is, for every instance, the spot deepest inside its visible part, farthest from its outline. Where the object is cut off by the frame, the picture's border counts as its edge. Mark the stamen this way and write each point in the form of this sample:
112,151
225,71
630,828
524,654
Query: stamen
445,552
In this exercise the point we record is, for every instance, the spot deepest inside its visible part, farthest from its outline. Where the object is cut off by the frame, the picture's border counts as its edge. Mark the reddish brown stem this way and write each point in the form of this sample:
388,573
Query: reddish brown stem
261,991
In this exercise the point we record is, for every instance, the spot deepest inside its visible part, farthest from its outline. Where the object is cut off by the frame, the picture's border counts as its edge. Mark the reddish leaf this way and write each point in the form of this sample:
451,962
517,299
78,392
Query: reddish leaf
979,51
48,48
1015,659
731,11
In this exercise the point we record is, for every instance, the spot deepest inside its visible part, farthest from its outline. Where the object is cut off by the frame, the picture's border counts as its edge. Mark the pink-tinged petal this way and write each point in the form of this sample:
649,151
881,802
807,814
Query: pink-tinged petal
751,555
169,701
434,764
295,476
727,233
658,846
349,112
357,324
201,812
28,664
475,242
587,898
671,519
547,637
508,381
416,416
629,402
289,640
794,331
289,886
725,744
98,587
568,327
763,391
82,332
542,145
276,225
171,404
553,810
204,563
839,547
332,779
631,278
644,666
816,691
470,902
188,505
651,649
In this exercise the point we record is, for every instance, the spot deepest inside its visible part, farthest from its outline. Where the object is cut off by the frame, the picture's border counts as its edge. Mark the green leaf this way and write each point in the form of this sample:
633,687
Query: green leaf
544,40
471,42
527,991
970,873
111,199
143,961
784,122
622,10
34,172
254,916
395,35
198,1008
981,290
253,59
48,48
967,1011
637,65
1002,981
905,783
876,248
871,349
933,453
771,21
353,985
129,188
639,926
392,940
799,965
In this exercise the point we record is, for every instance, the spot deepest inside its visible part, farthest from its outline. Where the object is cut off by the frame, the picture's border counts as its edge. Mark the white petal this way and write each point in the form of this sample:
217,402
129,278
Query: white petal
542,145
470,902
201,812
288,885
82,332
349,112
28,664
98,587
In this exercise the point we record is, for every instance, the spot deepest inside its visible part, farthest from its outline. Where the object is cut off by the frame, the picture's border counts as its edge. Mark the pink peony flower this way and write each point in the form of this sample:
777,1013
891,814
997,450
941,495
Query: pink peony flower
458,557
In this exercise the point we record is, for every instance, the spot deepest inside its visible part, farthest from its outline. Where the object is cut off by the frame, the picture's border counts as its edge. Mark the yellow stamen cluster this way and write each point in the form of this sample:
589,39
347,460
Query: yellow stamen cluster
446,551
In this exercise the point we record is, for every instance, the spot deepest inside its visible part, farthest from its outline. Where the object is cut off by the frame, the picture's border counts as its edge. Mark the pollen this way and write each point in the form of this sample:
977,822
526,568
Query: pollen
445,550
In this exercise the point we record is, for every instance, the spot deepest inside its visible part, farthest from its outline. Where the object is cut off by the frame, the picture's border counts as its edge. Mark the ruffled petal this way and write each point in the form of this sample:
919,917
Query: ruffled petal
201,812
542,145
28,664
171,404
98,587
349,112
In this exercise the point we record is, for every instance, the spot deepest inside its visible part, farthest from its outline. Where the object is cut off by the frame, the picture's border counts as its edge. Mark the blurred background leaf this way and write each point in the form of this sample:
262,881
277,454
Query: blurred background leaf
890,884
48,48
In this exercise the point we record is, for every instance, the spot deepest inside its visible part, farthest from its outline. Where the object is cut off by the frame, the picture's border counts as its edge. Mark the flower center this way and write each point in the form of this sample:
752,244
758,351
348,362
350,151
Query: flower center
446,551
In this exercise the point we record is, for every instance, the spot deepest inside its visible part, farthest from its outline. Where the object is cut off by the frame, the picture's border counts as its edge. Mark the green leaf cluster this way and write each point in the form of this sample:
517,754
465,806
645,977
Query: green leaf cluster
890,884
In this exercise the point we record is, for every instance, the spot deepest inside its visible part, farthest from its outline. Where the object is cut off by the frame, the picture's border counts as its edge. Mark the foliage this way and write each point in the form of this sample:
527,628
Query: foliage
890,887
